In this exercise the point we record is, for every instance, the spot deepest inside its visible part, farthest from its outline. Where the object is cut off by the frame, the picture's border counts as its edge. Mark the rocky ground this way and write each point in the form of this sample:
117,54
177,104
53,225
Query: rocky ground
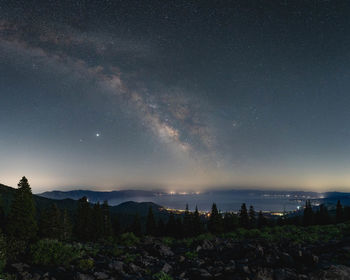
220,258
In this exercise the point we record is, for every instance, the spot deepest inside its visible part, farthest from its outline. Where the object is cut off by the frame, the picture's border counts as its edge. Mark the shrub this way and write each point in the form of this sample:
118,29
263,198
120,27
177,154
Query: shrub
116,251
129,239
191,255
15,249
53,252
162,276
205,236
86,264
168,241
129,258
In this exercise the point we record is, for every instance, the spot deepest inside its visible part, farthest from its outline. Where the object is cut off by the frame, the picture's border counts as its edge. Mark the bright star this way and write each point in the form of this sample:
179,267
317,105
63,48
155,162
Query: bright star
97,134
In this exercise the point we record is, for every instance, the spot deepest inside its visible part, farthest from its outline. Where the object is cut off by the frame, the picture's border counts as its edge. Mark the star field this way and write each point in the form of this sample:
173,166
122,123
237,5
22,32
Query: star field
179,95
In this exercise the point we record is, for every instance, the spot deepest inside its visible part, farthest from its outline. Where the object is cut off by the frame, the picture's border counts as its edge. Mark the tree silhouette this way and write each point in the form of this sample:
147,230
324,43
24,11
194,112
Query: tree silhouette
243,216
197,224
22,223
150,223
106,220
136,226
66,226
339,215
160,228
308,218
83,228
187,223
171,226
50,225
116,226
261,220
215,220
2,214
230,222
252,217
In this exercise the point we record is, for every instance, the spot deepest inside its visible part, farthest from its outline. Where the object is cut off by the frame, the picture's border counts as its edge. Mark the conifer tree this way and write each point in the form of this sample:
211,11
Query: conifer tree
261,220
2,215
230,222
339,212
179,231
106,220
322,216
187,223
215,220
150,223
22,223
116,226
197,224
136,226
171,226
243,216
160,228
83,228
308,218
252,217
50,225
96,222
66,226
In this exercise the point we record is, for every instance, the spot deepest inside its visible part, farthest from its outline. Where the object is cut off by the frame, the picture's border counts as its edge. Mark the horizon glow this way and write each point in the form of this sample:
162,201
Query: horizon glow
195,97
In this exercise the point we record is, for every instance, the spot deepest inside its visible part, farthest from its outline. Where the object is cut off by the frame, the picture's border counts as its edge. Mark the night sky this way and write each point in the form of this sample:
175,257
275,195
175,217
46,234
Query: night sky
181,95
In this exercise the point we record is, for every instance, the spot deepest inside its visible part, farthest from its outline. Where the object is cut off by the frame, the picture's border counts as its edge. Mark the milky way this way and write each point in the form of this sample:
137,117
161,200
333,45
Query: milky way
175,95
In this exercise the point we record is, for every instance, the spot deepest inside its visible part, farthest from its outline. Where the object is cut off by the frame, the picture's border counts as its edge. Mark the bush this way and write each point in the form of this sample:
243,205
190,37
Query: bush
205,236
86,264
129,239
168,241
53,252
191,255
15,249
162,276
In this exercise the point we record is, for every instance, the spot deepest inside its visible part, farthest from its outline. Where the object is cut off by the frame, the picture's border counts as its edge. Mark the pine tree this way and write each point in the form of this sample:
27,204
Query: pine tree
243,216
136,226
197,224
252,217
187,223
83,228
150,223
96,222
2,215
170,228
66,226
106,220
308,218
230,222
50,225
339,213
116,226
215,220
160,228
22,224
262,222
179,231
322,216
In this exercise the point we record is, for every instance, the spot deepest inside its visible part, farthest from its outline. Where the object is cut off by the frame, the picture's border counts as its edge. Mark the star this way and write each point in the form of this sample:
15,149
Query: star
98,134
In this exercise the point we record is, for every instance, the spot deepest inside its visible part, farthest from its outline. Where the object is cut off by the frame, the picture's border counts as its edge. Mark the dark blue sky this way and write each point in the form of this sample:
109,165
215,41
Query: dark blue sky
182,95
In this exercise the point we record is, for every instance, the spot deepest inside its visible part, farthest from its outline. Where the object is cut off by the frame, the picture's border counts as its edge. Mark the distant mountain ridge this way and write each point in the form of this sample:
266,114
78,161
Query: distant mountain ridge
95,196
127,209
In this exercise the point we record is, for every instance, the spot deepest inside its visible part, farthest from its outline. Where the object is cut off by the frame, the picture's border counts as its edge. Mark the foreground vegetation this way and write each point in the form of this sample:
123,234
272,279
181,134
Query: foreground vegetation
56,239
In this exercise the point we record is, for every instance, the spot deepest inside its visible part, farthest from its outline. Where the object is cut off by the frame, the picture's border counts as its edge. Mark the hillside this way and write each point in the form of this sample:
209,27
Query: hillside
95,196
125,210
